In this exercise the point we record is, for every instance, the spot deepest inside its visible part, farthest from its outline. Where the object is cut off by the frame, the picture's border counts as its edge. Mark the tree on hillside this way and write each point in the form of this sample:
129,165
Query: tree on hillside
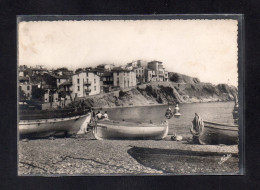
38,93
63,69
78,70
174,77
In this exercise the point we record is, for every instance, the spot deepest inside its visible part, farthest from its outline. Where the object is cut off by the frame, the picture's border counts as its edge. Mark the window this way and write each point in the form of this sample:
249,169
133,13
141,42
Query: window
95,88
58,80
78,81
28,87
87,74
117,73
78,88
95,81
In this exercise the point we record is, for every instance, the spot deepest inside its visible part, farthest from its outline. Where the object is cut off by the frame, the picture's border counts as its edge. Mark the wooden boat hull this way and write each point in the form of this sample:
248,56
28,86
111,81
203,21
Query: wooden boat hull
215,133
127,130
54,126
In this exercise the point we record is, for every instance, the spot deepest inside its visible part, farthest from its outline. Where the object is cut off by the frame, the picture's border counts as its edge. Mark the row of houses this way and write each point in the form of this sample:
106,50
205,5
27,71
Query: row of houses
148,71
65,84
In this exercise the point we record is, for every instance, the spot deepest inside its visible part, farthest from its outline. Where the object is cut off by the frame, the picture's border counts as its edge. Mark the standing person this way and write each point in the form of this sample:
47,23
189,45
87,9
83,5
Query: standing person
105,116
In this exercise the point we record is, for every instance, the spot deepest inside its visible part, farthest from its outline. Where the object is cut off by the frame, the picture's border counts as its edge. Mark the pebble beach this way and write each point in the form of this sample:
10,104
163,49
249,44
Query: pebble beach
83,155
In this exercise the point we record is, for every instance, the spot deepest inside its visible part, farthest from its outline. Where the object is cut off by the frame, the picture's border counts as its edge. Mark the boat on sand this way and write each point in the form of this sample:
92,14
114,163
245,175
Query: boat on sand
205,132
109,129
39,123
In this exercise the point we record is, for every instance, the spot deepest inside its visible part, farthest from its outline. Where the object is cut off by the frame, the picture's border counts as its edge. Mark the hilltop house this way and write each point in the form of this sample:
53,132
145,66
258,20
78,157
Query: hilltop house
160,73
85,83
36,70
149,75
62,71
25,88
22,71
107,67
140,74
123,78
107,81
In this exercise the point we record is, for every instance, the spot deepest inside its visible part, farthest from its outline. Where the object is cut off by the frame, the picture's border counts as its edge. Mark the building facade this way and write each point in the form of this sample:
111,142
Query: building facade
140,74
149,75
138,63
124,78
25,88
107,81
160,74
85,84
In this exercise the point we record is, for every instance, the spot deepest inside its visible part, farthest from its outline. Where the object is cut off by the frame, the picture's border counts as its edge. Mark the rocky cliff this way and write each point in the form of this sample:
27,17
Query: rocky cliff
163,92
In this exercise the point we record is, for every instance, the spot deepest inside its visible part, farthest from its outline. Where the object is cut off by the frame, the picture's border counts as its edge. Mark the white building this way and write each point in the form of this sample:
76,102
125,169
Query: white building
85,83
124,78
160,73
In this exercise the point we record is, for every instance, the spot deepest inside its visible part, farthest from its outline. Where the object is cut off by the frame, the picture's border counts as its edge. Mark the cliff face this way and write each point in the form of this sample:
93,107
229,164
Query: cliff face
163,92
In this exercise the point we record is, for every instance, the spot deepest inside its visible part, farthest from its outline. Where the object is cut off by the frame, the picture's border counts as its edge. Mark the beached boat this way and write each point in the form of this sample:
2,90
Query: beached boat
205,132
53,123
108,129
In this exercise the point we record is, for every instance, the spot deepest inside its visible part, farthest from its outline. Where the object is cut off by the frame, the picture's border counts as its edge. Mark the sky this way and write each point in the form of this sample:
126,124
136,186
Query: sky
206,49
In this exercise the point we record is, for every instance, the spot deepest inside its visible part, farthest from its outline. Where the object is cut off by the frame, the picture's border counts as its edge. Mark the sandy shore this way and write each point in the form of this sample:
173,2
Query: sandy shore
87,156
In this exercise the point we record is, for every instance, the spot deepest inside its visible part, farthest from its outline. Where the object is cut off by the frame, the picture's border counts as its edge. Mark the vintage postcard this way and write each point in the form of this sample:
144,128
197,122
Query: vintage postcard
129,96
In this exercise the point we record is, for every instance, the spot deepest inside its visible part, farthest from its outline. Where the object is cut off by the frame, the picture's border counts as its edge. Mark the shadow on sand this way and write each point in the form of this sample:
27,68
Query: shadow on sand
174,161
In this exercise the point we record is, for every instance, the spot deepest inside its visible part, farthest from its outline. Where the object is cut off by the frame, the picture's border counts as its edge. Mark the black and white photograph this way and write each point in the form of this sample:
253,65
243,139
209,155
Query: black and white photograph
128,97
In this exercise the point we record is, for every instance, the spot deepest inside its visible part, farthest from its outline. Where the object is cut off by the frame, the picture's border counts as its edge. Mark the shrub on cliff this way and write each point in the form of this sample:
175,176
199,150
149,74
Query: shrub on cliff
167,90
150,91
122,94
159,100
210,89
174,77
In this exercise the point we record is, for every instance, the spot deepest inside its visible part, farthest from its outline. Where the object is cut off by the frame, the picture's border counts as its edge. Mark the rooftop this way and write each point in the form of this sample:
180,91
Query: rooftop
38,69
119,69
88,71
107,74
59,76
23,78
66,83
155,61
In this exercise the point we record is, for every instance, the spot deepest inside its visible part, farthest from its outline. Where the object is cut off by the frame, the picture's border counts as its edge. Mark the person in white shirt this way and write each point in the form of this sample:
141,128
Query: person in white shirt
99,115
105,116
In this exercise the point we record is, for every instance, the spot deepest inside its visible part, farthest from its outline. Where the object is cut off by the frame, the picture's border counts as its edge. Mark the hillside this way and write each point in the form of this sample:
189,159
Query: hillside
180,78
163,92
